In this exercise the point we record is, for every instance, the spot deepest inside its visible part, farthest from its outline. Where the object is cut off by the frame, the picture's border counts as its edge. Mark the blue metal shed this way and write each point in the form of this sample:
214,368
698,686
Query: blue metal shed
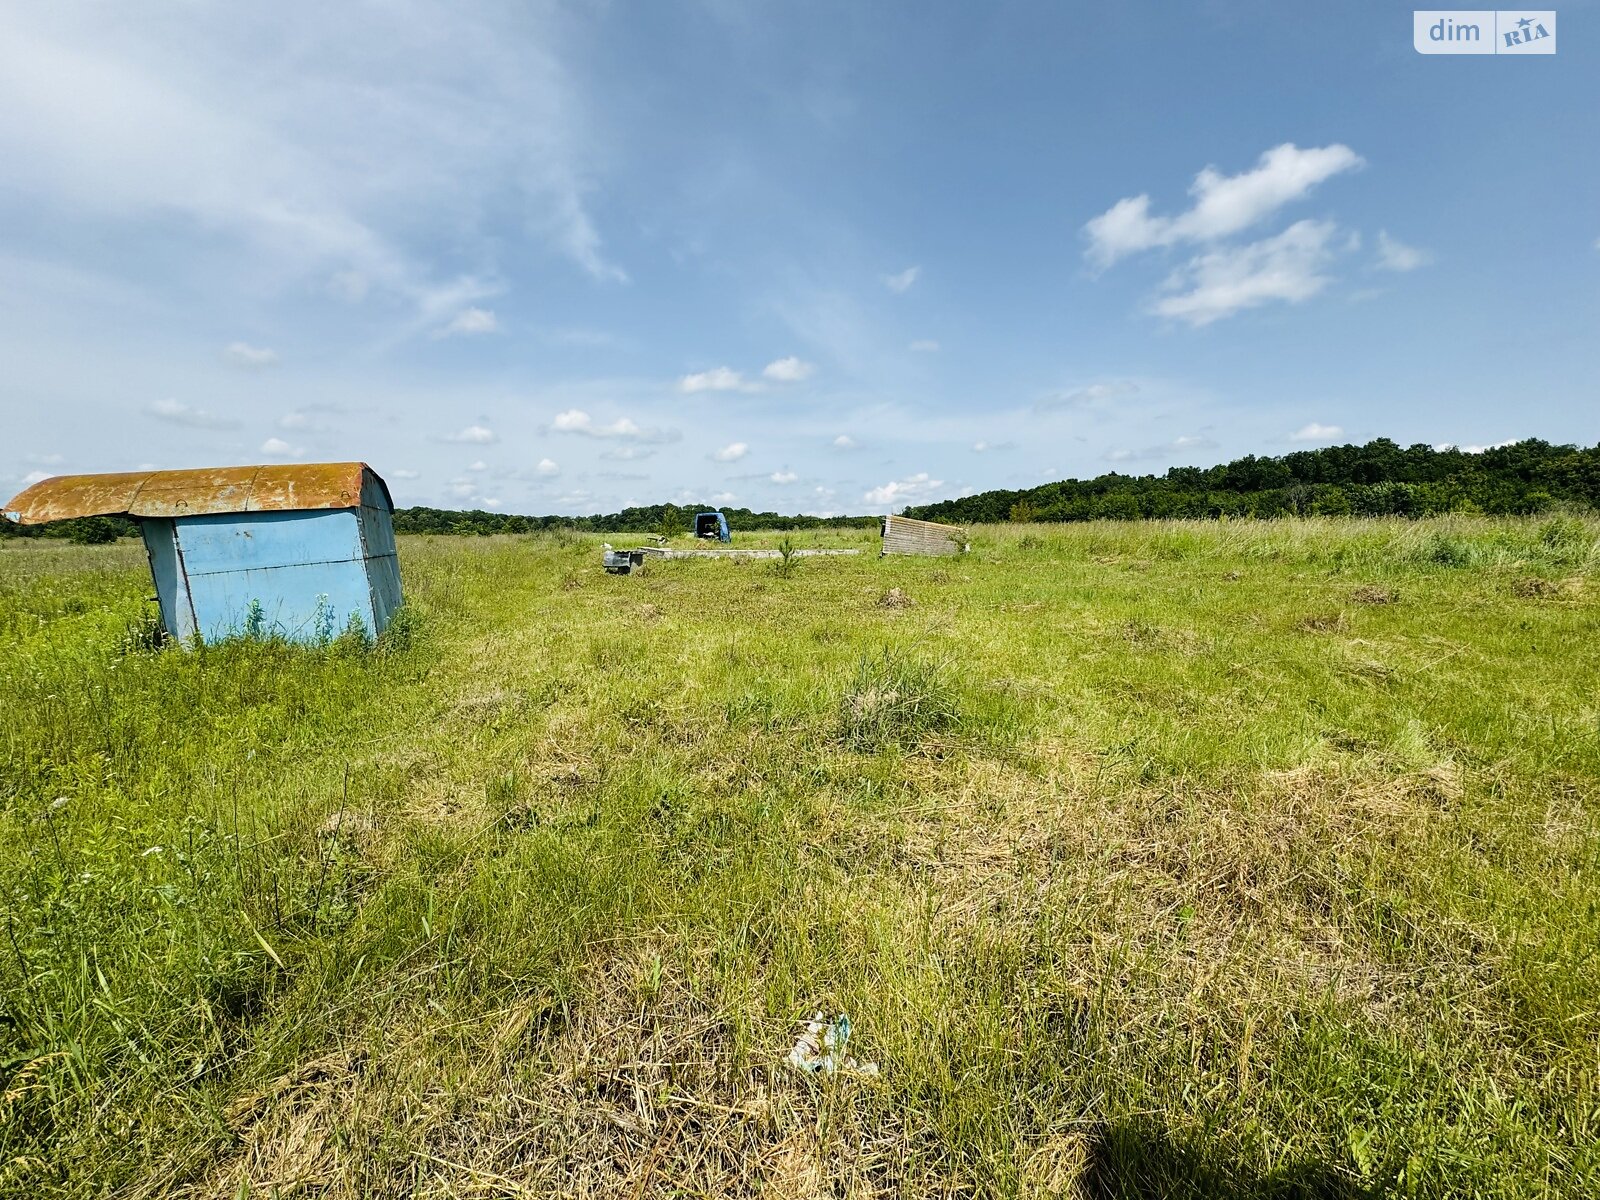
712,526
298,552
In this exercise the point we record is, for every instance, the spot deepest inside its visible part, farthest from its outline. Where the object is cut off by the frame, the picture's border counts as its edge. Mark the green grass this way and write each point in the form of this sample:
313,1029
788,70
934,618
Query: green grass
1241,859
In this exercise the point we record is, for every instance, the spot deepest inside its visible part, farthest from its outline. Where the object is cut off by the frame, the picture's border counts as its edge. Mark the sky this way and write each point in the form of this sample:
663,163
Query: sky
805,257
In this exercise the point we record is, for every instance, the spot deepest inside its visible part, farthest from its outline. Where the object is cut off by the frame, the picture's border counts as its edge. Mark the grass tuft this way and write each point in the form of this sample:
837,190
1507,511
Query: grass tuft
897,701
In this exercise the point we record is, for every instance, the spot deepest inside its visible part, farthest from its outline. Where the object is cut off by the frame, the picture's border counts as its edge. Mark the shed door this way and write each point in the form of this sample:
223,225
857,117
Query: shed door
172,584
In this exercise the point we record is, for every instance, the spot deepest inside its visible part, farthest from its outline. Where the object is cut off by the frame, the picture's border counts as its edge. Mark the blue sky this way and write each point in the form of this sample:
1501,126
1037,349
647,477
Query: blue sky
807,257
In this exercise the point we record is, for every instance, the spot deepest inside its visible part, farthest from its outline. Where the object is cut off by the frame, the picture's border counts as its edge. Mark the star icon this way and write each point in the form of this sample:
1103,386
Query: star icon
1524,23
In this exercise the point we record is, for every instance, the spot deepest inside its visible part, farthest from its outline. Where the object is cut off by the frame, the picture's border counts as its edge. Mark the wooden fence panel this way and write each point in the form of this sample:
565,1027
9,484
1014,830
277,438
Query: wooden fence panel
902,535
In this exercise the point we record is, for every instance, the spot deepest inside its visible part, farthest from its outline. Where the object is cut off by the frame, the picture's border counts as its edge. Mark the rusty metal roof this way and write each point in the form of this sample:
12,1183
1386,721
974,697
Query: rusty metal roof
194,493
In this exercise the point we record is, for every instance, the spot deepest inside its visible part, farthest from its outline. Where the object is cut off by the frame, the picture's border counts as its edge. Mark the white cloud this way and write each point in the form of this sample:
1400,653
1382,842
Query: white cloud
903,281
723,498
575,420
278,448
1166,450
626,453
480,465
547,466
309,419
1124,228
732,452
788,370
784,476
718,379
844,442
48,460
178,413
1223,204
476,435
925,346
385,131
1316,432
251,358
406,473
33,477
470,322
1287,267
466,492
900,492
1095,395
1395,255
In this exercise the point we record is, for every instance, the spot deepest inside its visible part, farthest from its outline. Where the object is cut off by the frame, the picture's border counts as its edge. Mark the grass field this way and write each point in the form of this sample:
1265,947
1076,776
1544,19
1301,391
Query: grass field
1241,859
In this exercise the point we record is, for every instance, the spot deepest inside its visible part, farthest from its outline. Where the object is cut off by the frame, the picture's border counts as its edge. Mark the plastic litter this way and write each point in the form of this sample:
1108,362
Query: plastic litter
820,1049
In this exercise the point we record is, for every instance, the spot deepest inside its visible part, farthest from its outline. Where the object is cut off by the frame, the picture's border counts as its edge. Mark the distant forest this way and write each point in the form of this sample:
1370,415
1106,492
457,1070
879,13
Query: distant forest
1379,479
651,518
86,531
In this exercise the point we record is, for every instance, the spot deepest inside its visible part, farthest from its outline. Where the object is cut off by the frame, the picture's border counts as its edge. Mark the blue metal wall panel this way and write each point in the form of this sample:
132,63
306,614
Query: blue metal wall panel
383,568
377,531
376,522
246,541
310,603
383,562
297,575
383,575
172,589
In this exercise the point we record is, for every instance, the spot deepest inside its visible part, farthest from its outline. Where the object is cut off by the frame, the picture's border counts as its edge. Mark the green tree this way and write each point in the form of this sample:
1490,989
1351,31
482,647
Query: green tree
674,522
1331,501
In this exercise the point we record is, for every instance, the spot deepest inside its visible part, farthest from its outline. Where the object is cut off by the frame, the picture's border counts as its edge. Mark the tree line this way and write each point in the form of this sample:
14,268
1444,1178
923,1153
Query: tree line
668,519
1380,478
84,531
